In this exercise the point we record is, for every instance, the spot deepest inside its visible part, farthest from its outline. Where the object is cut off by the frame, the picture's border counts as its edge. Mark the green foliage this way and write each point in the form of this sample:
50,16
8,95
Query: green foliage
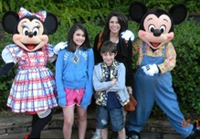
70,11
187,72
93,29
60,35
133,26
192,5
6,80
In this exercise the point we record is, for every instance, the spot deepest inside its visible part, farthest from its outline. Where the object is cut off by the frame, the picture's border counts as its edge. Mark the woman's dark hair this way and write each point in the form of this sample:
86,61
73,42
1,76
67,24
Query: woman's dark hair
71,45
108,46
123,21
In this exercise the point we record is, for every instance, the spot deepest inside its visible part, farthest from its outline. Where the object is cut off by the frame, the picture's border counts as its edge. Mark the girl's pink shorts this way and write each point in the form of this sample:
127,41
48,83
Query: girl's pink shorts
74,96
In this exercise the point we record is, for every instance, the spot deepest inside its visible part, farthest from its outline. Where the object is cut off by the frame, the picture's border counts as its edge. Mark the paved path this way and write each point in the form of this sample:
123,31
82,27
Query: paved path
48,134
16,127
57,134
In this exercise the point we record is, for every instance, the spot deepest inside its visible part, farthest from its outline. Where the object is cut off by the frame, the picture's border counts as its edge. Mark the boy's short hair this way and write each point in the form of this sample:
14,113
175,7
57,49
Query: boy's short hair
108,46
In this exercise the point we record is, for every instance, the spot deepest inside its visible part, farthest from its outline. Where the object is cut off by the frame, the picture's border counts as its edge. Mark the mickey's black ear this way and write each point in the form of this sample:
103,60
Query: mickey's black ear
51,23
137,10
9,21
178,13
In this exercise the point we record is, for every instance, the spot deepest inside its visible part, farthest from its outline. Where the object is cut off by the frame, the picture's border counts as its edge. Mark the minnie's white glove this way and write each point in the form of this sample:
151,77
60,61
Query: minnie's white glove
59,47
150,69
128,35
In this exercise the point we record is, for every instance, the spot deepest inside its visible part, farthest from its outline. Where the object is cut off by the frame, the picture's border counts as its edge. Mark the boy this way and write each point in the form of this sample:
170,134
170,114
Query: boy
111,93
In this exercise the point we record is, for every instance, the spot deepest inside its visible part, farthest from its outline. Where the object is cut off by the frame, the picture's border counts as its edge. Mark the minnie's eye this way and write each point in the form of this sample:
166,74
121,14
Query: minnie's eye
35,31
151,28
162,28
25,31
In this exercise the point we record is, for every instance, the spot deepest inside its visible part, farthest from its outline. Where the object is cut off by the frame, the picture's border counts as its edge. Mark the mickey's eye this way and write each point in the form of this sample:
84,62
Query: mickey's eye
25,31
162,28
151,28
35,31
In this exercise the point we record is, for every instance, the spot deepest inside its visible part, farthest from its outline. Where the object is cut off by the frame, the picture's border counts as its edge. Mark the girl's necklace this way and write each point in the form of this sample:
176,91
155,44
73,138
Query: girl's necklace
75,58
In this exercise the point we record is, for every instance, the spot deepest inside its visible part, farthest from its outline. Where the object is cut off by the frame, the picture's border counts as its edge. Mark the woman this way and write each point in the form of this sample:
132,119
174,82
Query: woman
116,31
74,68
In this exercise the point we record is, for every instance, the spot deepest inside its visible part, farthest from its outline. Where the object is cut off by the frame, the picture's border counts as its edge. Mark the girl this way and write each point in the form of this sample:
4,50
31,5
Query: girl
74,68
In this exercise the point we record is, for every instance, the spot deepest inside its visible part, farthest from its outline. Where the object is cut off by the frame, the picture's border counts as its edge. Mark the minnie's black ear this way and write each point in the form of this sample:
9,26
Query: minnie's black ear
178,13
9,21
137,10
51,23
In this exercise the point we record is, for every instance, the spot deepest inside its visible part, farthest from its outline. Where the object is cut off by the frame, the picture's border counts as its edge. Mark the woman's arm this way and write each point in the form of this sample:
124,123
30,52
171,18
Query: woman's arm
129,68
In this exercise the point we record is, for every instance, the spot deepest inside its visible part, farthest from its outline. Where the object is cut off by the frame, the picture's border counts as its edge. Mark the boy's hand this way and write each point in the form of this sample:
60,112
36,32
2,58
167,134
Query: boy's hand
113,81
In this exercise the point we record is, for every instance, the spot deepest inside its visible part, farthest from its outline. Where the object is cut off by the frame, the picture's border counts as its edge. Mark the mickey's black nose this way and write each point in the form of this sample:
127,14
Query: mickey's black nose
157,32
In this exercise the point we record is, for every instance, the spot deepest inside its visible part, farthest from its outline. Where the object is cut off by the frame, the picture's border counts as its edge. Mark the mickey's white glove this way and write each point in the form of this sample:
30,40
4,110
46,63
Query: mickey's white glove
128,35
150,69
59,47
147,70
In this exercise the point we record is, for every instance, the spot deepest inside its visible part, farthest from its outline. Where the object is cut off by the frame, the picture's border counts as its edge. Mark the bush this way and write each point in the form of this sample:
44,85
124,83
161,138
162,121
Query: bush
187,72
91,10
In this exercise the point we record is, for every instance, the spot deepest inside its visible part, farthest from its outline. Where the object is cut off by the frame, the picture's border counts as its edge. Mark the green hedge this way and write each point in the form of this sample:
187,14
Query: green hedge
187,72
88,10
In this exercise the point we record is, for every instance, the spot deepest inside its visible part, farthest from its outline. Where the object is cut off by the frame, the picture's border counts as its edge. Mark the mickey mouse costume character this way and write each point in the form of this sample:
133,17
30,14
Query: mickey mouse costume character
153,80
33,89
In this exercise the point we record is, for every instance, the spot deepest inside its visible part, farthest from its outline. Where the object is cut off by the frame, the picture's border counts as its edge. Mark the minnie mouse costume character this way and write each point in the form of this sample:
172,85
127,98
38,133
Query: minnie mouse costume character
33,89
157,57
